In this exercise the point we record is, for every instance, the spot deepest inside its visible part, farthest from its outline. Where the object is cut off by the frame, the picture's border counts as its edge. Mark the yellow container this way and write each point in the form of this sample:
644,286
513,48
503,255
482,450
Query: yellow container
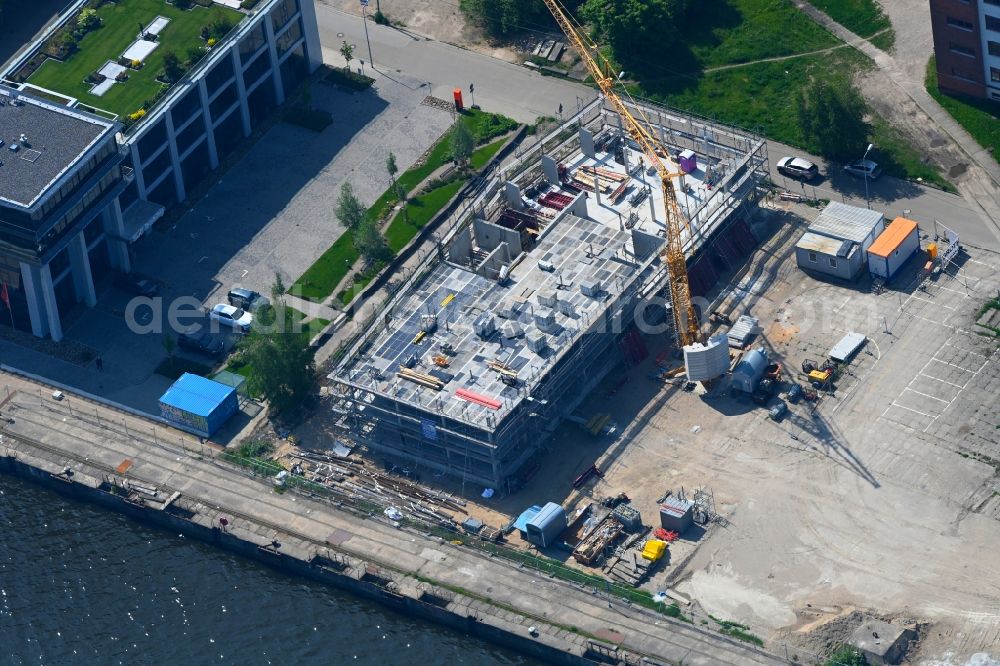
932,250
654,550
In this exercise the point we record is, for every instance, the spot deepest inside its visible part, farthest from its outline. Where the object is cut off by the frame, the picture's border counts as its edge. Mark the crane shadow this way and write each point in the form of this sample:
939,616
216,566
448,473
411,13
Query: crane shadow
831,442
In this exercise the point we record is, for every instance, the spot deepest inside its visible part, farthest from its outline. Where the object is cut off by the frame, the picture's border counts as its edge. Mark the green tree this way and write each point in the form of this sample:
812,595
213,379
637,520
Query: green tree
503,18
349,210
282,367
641,33
397,188
370,243
88,20
390,166
172,69
347,50
831,113
462,142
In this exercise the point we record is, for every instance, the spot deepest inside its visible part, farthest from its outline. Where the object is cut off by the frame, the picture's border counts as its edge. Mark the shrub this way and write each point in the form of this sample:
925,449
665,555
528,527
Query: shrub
220,28
68,41
135,64
136,115
182,4
205,31
211,42
122,76
194,55
88,20
381,18
248,4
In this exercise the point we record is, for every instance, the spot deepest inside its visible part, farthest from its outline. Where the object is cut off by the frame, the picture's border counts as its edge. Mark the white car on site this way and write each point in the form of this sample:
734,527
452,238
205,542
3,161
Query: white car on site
232,316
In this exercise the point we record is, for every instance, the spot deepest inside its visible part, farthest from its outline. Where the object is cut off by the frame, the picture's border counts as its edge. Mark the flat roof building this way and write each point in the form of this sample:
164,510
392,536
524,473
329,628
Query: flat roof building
61,175
837,242
540,282
187,128
85,163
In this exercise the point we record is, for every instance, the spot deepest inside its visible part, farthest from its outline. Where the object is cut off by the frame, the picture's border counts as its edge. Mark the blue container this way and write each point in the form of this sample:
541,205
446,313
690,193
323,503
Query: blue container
198,405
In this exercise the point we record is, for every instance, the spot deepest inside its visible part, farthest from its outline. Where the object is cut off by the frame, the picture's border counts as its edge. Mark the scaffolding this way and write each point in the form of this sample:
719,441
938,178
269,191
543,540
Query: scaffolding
529,299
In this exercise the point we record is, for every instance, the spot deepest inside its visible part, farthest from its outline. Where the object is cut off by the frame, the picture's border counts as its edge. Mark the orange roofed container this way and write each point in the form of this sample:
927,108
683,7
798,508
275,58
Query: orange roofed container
893,247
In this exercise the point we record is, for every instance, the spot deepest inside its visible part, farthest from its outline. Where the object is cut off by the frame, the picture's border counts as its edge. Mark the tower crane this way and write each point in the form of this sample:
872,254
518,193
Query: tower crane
672,254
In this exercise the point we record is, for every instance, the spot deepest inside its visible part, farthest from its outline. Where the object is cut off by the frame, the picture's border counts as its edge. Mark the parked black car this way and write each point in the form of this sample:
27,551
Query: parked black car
200,340
246,299
136,284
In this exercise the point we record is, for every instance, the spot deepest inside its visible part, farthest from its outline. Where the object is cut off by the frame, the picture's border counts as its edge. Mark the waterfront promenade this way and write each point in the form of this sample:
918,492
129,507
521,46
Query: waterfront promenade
100,444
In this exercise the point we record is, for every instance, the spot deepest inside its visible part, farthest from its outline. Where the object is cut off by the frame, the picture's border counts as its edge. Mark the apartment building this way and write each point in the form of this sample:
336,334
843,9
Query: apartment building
967,46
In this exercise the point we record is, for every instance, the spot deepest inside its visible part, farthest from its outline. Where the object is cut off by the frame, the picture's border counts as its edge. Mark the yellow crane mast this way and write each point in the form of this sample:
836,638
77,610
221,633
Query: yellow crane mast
685,320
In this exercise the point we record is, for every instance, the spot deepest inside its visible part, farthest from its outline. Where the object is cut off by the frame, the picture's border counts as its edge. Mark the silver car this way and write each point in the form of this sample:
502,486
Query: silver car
863,168
796,167
232,316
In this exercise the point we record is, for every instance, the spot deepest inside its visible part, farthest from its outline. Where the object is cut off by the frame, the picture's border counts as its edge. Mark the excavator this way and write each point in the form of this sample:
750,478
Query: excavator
672,254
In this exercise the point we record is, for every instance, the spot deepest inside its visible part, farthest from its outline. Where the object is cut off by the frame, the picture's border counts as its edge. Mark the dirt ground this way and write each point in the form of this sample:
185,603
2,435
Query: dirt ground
881,502
439,20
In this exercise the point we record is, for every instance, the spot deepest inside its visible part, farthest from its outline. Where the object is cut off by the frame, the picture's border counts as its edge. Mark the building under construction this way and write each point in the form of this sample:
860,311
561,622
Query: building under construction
537,288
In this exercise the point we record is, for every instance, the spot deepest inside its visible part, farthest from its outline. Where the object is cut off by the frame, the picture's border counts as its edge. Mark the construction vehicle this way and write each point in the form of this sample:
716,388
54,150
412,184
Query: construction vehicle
672,255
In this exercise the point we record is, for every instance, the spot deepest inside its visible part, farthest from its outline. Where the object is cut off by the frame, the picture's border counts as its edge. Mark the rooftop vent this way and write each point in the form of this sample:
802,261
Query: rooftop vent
14,147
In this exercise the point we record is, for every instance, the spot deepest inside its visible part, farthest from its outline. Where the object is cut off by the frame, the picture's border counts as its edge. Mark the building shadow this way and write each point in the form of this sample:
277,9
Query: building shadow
187,257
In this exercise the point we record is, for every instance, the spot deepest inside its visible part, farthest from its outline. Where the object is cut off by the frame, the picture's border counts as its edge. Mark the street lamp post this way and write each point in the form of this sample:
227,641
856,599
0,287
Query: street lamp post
864,166
364,21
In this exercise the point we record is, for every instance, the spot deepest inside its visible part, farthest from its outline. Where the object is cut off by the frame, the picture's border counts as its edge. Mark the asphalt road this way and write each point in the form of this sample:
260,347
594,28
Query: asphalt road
524,95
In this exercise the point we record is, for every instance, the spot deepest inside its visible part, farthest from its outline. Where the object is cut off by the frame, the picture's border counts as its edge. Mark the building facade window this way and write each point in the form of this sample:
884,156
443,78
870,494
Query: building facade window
289,37
994,48
283,12
961,49
256,70
992,2
812,257
833,262
995,74
959,23
992,23
962,74
252,42
221,73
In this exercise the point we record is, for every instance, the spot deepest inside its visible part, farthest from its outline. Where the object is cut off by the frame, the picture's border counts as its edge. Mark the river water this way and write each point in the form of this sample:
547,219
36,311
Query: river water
81,585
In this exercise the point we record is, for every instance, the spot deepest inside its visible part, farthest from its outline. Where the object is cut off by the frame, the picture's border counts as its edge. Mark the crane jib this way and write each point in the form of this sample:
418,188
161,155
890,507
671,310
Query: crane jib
672,255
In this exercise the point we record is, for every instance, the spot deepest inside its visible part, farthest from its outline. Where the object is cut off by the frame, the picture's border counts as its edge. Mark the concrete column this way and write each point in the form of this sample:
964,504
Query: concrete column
272,54
114,228
175,159
31,281
213,155
140,182
48,294
241,89
587,142
310,30
550,169
83,278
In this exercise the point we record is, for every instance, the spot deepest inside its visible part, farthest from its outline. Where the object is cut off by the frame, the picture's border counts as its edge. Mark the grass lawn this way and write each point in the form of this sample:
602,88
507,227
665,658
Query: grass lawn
323,276
483,155
120,28
980,118
735,31
757,97
862,17
312,327
420,211
320,279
